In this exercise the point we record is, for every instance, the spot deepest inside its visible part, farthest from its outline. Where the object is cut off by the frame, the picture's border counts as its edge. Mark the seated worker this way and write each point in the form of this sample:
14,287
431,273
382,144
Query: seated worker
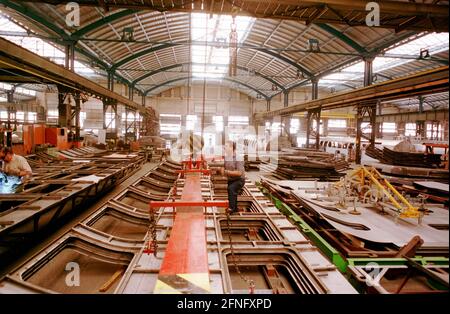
15,165
234,170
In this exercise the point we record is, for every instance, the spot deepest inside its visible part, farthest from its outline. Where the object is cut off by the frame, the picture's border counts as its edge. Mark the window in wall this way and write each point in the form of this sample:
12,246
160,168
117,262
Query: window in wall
237,120
435,133
5,86
37,45
32,117
170,124
4,115
276,128
191,122
82,118
337,123
110,120
25,91
52,116
320,127
410,129
3,99
366,127
295,126
218,121
20,116
389,127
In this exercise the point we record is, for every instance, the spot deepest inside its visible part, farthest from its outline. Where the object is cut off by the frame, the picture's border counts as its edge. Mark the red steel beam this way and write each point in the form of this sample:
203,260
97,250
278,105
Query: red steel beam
185,266
177,204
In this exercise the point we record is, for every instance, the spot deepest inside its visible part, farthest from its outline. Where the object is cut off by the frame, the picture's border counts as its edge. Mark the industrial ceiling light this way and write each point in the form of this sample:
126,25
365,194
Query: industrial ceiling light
128,34
425,54
313,45
274,88
375,77
300,74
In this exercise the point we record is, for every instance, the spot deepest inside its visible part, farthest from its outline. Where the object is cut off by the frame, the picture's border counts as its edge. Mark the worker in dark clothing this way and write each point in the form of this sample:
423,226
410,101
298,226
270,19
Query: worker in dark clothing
234,170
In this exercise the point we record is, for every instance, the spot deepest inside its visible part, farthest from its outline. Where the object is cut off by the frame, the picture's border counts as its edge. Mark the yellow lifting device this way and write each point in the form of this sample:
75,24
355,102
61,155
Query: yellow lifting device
370,178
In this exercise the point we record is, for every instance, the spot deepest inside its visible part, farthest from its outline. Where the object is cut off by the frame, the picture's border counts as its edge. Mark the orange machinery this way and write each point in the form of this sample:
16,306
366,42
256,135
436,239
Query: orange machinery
33,134
58,138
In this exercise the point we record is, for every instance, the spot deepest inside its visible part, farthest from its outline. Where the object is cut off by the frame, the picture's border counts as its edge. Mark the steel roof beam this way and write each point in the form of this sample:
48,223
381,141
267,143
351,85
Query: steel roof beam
170,45
174,66
63,36
190,77
423,83
386,6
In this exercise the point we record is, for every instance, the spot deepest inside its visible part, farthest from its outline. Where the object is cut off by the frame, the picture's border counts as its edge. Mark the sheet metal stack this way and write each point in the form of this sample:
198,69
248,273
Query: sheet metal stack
392,157
307,164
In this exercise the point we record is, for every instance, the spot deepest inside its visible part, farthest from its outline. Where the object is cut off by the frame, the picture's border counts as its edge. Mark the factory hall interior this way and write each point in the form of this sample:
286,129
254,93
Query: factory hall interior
224,147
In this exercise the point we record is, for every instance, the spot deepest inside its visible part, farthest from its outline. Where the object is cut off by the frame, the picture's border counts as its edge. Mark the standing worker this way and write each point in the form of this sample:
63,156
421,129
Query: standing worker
234,170
14,164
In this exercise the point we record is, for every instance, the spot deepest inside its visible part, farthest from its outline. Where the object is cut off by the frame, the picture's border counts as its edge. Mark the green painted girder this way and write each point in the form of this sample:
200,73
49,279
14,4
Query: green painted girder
117,16
60,32
36,17
286,60
171,45
329,251
190,77
101,22
342,37
140,54
383,261
174,66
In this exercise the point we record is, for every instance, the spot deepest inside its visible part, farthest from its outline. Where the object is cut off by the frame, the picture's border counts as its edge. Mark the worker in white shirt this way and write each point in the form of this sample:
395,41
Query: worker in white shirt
15,165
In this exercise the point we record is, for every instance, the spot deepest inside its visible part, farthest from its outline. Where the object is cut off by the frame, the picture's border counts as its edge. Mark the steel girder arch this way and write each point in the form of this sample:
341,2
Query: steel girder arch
127,12
171,45
174,66
374,51
190,77
62,35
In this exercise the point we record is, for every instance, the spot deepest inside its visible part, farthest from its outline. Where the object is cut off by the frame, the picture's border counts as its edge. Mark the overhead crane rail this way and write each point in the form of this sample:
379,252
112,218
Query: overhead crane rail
39,69
423,83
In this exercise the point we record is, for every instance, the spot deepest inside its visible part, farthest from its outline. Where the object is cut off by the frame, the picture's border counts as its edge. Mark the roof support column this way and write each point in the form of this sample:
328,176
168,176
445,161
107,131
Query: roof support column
70,56
76,116
10,95
286,99
368,71
268,105
225,130
311,131
110,104
420,129
421,101
313,115
63,108
130,92
364,110
111,80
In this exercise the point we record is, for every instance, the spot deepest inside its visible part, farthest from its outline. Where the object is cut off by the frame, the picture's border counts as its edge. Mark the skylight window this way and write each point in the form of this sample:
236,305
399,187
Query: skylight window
38,46
435,43
208,61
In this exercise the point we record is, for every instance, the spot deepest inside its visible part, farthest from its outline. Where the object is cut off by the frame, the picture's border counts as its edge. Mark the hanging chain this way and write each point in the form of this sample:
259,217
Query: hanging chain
152,246
251,283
